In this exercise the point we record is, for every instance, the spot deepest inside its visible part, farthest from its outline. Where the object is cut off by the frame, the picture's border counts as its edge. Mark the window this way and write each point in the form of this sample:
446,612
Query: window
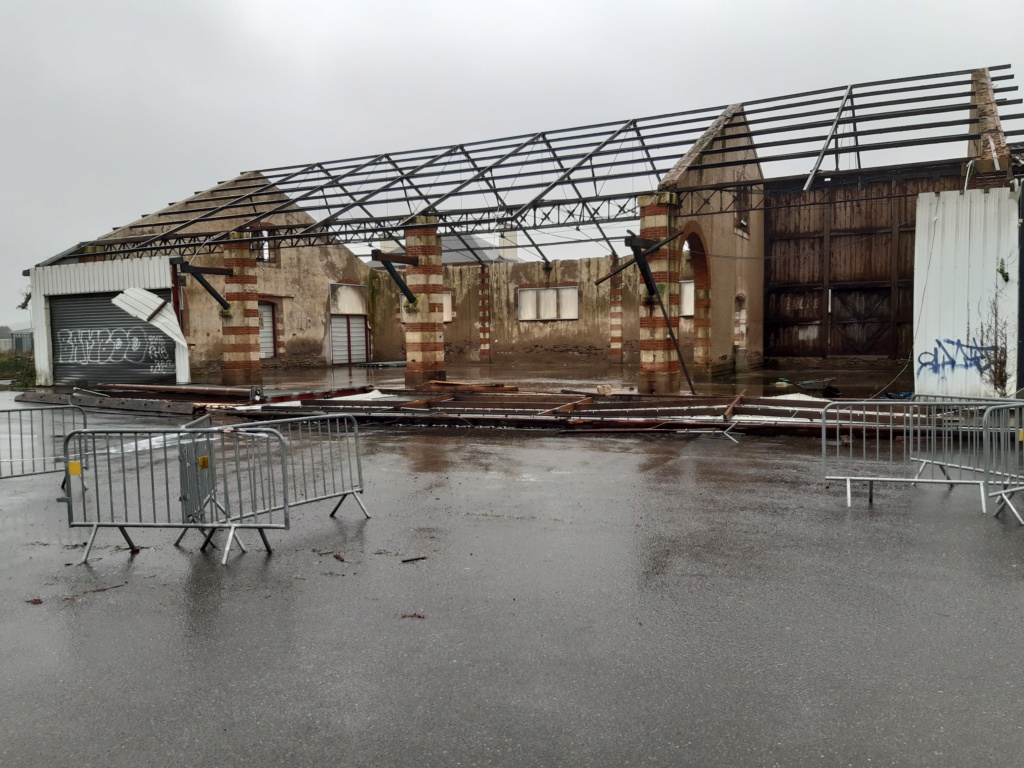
549,303
686,298
446,300
267,250
741,206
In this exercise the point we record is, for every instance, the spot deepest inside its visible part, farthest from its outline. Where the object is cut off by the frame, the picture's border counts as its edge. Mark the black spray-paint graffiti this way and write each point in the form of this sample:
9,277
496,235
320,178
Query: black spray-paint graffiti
116,346
950,354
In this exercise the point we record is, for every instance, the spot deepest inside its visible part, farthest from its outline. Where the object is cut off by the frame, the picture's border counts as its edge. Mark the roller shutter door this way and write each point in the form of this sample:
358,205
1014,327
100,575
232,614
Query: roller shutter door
95,341
266,329
350,339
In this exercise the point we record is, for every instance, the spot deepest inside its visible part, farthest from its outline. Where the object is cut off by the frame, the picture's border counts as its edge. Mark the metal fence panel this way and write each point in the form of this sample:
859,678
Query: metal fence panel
31,439
323,458
206,479
940,441
1004,456
201,422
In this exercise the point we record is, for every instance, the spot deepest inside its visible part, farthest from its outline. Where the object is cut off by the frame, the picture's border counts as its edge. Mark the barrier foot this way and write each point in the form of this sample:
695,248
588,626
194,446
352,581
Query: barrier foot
131,544
359,501
88,546
266,543
849,494
227,546
338,505
1014,510
871,492
207,541
181,536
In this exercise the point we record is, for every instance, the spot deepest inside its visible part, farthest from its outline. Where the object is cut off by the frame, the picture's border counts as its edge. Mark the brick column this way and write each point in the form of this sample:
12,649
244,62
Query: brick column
241,325
485,315
660,372
424,326
615,316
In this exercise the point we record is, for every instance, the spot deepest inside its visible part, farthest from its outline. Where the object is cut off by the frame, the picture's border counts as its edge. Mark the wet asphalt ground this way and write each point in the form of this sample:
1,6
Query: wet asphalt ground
585,601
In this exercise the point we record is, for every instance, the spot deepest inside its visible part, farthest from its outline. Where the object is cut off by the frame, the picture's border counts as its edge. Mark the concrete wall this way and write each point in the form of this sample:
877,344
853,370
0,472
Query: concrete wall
541,341
735,254
299,287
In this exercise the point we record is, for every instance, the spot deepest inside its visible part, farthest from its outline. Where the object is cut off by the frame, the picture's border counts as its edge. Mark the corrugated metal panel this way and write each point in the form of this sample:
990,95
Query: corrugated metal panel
94,340
147,306
349,339
151,273
967,271
266,329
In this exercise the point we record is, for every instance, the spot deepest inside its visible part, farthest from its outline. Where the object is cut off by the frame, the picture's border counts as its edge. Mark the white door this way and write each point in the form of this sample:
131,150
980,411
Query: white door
349,339
266,329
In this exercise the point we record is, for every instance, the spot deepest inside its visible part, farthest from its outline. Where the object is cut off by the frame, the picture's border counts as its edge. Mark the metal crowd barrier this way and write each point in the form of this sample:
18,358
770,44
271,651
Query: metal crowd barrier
897,441
1004,456
31,438
207,479
201,422
323,458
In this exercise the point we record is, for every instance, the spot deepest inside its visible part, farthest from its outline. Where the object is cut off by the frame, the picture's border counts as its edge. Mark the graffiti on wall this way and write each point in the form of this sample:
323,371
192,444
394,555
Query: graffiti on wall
116,346
954,354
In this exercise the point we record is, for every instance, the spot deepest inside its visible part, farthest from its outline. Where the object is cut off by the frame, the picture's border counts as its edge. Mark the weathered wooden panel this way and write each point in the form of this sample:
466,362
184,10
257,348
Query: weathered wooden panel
861,207
859,322
861,258
795,262
795,340
791,214
843,238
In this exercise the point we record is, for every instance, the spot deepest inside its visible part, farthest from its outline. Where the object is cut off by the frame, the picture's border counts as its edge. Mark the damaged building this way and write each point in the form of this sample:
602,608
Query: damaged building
781,229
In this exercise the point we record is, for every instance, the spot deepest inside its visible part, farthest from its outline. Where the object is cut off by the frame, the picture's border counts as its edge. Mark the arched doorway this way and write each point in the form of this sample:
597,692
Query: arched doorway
696,263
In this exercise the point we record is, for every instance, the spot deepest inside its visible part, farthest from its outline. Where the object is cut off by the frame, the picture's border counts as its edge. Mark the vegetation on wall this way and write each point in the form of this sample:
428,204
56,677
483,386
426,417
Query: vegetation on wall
992,336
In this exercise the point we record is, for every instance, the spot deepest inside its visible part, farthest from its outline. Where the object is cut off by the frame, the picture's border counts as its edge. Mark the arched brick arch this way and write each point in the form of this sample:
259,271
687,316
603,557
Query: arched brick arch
694,237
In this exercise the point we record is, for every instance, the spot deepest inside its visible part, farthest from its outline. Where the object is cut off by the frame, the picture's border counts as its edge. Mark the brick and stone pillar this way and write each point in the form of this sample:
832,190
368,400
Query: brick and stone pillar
424,326
485,315
241,324
615,316
660,371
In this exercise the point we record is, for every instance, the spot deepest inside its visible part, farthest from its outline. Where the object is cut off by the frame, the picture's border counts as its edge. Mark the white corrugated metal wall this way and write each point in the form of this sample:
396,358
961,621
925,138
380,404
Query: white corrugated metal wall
151,273
966,287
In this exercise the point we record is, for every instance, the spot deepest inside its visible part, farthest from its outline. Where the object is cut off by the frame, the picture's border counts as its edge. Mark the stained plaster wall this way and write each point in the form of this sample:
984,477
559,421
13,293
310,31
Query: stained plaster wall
297,282
735,255
585,339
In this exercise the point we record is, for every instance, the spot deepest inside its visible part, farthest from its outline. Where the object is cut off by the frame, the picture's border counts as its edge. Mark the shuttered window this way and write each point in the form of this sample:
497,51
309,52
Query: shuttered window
350,339
549,303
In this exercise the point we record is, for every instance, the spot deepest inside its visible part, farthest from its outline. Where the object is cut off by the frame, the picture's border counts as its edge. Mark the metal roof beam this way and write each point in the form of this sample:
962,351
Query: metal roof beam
320,224
615,134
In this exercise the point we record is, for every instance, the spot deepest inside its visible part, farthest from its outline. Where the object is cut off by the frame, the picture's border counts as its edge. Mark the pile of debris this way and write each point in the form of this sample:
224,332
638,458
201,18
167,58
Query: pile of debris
453,404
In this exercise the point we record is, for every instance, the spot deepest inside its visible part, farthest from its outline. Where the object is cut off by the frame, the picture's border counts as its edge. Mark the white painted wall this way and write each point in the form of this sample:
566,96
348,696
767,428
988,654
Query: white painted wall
966,273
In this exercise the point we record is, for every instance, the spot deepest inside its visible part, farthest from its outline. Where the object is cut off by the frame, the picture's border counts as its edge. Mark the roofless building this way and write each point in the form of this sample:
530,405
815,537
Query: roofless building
786,225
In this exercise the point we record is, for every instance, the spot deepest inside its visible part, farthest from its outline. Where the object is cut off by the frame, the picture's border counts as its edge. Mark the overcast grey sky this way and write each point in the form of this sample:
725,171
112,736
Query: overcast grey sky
114,108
